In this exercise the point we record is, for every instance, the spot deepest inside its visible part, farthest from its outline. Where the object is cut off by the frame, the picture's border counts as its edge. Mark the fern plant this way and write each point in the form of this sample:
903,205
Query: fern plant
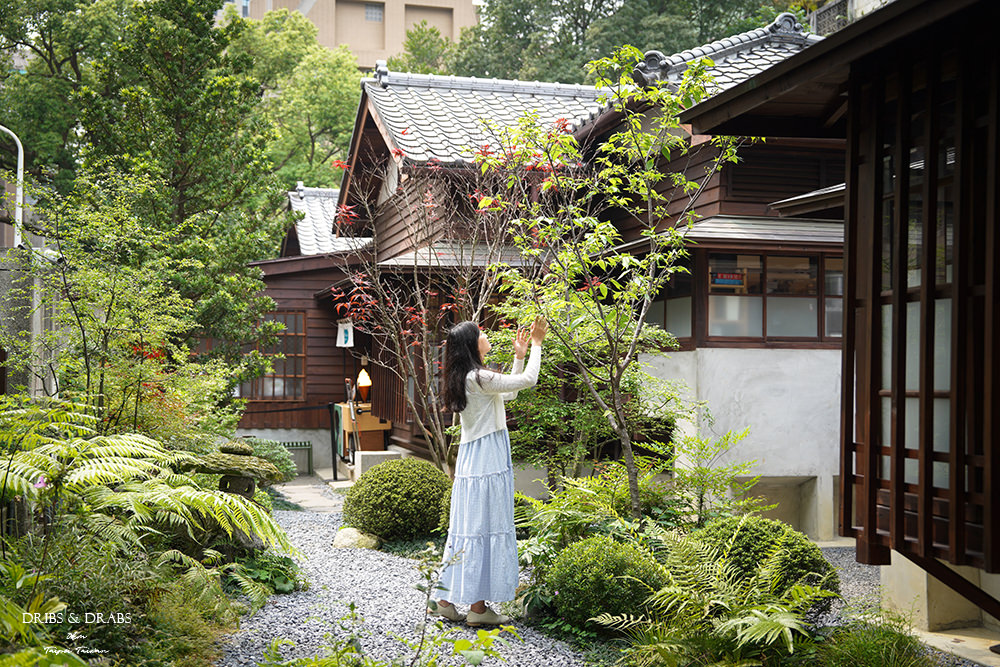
125,482
711,613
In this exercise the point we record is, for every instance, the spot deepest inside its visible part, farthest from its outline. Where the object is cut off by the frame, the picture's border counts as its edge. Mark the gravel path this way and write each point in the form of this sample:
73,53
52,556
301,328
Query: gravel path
379,584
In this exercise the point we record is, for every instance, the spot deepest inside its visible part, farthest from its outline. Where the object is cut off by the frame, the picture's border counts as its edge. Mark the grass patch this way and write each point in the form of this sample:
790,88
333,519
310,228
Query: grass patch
413,547
280,501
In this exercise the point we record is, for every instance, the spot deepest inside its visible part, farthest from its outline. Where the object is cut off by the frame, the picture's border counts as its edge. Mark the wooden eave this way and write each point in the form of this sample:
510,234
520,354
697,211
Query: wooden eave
805,96
287,265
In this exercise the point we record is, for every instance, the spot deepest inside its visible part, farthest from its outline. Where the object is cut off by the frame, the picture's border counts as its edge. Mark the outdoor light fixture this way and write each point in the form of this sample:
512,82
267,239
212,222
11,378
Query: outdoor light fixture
364,384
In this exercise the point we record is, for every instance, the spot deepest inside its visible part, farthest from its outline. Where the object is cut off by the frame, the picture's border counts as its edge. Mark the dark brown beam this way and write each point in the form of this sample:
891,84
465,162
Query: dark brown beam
898,338
991,361
928,278
848,365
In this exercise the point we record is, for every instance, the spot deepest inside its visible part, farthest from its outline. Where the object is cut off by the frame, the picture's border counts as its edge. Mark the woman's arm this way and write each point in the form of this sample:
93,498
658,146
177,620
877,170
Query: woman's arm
508,385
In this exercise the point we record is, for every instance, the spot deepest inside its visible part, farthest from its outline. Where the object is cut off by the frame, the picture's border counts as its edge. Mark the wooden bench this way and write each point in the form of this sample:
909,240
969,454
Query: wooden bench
302,445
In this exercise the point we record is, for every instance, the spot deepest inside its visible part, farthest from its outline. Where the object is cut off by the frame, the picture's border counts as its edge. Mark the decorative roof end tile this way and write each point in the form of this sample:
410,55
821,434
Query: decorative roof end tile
382,73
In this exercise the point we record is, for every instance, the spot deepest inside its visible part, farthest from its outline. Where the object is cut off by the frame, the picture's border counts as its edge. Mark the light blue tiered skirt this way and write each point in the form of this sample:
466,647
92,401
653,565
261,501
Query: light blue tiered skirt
481,525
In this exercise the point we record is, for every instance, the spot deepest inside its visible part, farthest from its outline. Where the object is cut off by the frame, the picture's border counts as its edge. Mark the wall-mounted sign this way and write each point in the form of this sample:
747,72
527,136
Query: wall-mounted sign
722,278
345,333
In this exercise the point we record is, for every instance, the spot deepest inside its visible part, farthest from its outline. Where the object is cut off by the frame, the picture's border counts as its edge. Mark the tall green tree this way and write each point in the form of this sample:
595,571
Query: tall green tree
310,95
425,51
552,41
53,43
169,102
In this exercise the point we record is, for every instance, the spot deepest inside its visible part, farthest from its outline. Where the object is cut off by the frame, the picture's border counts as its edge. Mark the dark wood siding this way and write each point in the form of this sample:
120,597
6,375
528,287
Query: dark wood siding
326,364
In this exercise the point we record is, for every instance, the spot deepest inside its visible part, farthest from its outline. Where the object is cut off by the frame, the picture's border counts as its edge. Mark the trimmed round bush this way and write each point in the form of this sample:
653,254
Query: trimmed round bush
397,499
599,575
444,520
752,540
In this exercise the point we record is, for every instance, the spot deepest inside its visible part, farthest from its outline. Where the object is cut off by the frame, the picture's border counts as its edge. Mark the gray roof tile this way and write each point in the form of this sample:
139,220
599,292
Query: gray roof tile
446,118
315,229
736,58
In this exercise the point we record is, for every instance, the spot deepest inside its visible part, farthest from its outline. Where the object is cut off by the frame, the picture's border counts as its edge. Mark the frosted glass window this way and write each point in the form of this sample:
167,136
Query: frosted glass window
913,346
655,313
679,316
942,345
886,347
735,316
911,471
834,317
942,424
911,432
941,476
792,316
374,11
886,421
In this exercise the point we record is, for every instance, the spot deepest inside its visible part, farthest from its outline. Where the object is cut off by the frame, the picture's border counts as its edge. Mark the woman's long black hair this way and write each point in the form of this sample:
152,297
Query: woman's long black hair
461,355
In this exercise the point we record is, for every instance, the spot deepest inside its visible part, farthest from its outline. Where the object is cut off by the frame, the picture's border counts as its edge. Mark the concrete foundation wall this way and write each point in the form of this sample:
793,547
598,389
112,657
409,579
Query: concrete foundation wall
928,603
790,399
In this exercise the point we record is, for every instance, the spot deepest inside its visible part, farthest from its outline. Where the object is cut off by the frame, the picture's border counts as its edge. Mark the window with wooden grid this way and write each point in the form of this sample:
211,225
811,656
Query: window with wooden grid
287,382
775,296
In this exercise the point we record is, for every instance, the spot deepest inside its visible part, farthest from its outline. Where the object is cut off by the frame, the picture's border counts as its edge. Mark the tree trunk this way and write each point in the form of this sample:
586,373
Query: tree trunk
632,472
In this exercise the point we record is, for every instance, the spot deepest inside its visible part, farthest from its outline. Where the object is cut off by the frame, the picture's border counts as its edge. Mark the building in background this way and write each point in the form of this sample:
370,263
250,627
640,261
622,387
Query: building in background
372,30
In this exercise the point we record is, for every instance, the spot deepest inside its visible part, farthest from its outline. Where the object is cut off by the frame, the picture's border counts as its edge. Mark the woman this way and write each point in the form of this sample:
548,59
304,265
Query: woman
481,526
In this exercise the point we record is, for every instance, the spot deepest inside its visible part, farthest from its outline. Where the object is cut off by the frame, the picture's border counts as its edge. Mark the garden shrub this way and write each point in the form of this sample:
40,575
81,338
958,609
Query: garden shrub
598,575
445,518
397,499
277,454
750,539
263,498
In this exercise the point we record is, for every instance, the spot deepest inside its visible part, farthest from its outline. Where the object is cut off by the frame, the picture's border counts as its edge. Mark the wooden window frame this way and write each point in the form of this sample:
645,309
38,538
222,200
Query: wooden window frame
253,390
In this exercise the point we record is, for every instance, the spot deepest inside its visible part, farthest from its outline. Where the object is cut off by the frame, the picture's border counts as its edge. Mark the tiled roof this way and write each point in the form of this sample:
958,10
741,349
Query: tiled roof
315,229
445,118
788,230
452,254
736,58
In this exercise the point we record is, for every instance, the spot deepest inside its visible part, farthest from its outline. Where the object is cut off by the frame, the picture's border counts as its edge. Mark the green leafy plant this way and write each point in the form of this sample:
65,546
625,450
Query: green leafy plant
746,541
599,575
874,640
276,453
281,573
397,499
711,613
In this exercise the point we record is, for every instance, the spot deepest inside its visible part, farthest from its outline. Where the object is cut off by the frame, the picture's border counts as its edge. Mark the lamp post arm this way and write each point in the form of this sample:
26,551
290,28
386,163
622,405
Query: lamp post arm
19,196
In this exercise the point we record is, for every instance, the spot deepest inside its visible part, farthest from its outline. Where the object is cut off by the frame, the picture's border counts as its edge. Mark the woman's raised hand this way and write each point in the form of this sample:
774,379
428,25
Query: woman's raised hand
538,330
521,343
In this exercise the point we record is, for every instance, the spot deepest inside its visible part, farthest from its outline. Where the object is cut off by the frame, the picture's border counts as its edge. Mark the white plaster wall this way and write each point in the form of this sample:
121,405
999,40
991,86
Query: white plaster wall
320,438
790,399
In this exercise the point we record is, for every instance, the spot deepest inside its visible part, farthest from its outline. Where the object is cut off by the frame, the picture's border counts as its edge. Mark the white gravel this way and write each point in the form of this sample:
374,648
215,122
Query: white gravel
380,585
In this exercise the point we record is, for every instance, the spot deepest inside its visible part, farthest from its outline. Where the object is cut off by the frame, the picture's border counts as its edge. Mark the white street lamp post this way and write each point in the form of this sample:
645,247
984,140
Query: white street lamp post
19,197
